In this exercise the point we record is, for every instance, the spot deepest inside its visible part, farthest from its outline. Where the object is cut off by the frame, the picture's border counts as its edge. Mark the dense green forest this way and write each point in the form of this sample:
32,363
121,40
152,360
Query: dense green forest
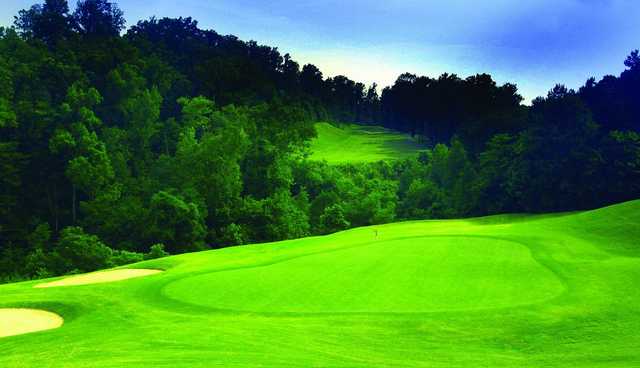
118,145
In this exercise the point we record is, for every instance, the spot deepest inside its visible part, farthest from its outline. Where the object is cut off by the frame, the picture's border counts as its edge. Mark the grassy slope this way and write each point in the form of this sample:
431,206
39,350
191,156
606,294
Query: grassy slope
360,143
543,291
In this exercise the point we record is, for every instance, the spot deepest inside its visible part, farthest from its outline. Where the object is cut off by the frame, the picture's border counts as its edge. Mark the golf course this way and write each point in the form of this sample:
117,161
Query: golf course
388,184
510,290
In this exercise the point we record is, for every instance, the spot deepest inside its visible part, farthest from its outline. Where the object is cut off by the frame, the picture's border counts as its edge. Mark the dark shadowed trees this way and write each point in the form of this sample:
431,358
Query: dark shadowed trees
49,22
98,18
178,135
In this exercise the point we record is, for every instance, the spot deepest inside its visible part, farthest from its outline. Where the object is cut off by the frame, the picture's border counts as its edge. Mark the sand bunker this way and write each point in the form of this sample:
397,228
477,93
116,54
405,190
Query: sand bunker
99,277
17,321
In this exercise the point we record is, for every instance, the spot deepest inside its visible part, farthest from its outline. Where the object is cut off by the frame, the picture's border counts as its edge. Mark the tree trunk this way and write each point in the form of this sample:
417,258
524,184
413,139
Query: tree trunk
166,144
55,206
73,205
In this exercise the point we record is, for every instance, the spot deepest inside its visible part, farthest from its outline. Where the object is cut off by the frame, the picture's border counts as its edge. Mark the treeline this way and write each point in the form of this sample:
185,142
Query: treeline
476,108
570,150
117,147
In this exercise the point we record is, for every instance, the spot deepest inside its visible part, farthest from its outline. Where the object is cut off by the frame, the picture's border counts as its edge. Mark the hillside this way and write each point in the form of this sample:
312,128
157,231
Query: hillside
361,143
540,291
122,137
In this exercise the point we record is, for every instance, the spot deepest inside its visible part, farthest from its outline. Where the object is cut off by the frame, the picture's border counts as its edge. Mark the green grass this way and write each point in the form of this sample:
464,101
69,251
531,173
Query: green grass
360,143
503,291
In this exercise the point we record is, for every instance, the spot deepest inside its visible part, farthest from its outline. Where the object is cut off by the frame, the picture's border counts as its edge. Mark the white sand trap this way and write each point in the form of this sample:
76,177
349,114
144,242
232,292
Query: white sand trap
17,321
99,277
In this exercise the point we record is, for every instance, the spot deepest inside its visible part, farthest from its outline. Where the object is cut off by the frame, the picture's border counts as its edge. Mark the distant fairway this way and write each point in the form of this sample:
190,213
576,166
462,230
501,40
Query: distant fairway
361,143
502,291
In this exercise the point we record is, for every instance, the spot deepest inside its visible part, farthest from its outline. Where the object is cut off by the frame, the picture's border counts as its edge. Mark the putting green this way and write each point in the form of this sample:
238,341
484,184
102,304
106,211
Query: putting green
414,275
555,291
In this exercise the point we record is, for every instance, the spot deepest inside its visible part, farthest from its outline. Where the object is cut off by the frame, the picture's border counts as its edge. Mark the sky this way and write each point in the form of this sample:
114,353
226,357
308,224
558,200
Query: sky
532,43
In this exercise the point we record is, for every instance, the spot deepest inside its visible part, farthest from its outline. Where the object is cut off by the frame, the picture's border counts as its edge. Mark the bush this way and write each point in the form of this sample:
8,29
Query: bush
123,257
40,237
333,219
177,223
285,220
80,251
38,264
233,234
156,251
11,260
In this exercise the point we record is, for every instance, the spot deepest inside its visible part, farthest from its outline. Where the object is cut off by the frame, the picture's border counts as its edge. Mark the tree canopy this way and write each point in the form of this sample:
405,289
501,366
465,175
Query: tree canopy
115,143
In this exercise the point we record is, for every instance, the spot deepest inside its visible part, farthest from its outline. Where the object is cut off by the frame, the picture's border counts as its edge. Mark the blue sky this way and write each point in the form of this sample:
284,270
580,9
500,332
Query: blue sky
533,43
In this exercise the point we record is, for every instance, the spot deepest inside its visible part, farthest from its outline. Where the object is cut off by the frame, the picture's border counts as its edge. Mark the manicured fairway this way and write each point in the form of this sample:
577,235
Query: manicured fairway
360,143
503,291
